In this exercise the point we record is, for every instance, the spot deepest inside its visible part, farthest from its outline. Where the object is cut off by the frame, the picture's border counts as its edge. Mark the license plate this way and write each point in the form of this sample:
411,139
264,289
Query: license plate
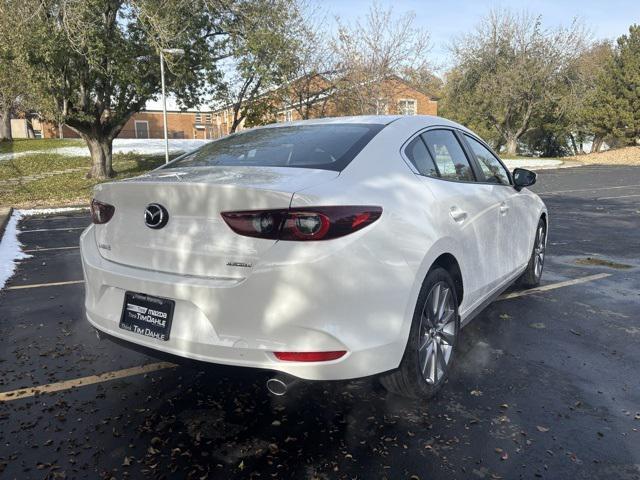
147,315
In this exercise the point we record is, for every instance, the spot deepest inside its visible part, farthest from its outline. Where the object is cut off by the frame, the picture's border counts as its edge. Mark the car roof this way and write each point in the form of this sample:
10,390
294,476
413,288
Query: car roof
410,121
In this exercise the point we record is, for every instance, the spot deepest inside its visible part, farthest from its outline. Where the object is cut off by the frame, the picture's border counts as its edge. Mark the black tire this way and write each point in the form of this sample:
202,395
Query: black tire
408,380
531,277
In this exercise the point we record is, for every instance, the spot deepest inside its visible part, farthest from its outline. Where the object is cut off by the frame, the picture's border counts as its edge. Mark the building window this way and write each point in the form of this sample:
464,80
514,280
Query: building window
407,106
286,115
198,117
142,128
207,118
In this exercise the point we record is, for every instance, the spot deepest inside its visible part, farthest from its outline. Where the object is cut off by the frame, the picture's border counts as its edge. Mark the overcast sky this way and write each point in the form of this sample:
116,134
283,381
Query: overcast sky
446,19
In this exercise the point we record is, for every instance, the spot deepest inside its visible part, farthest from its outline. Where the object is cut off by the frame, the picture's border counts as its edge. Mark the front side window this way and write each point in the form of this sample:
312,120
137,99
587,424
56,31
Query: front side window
328,147
493,170
448,155
407,107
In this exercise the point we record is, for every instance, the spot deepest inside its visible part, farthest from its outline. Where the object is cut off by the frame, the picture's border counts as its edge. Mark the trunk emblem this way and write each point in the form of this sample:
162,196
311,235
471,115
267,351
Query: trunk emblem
155,216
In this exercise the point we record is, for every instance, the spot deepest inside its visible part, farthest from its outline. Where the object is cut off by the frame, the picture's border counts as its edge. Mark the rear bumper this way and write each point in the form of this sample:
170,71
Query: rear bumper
290,302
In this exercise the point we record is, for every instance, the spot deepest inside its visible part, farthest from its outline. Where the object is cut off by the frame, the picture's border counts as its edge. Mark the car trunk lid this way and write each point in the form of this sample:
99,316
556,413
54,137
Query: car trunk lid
196,241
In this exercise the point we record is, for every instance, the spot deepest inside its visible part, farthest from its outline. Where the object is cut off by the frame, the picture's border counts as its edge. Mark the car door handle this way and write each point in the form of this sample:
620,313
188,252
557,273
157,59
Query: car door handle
457,214
504,208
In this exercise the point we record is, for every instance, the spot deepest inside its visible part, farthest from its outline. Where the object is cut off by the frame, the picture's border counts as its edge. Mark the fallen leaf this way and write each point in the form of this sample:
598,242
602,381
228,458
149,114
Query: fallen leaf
542,429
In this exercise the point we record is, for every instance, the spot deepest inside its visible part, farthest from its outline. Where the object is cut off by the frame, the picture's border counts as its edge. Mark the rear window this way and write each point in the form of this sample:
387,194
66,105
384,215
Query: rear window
328,147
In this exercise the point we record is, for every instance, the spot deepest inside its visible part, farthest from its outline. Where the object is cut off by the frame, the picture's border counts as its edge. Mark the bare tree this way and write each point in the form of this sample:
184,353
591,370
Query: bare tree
371,50
311,82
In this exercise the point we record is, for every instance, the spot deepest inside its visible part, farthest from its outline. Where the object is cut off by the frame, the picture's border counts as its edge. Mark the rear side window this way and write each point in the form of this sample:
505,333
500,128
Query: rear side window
417,153
493,170
329,147
448,155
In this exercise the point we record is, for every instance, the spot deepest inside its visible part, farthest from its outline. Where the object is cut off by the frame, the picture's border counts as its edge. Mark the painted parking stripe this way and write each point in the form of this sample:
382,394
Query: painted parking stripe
553,286
81,382
588,189
51,229
42,285
621,196
129,372
33,250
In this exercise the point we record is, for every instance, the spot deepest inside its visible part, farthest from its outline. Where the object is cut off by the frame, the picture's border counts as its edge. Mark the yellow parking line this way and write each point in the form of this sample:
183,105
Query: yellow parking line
32,250
40,285
80,382
553,286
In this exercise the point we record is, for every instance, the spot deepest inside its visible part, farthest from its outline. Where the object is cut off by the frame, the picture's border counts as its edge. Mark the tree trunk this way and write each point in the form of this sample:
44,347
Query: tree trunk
30,132
5,125
60,130
101,149
573,144
597,143
237,119
512,145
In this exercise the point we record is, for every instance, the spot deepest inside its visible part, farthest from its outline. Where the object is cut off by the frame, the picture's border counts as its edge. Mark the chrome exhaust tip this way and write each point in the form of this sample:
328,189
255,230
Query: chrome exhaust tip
277,387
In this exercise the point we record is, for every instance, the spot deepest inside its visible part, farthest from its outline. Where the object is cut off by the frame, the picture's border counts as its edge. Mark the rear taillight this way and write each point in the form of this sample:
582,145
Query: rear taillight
101,212
309,356
307,223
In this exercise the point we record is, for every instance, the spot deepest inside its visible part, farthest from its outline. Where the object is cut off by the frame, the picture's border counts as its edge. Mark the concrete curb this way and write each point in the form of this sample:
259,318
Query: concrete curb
5,215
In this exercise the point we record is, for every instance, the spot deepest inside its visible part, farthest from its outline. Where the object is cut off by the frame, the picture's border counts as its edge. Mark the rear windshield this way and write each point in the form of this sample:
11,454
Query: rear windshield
329,147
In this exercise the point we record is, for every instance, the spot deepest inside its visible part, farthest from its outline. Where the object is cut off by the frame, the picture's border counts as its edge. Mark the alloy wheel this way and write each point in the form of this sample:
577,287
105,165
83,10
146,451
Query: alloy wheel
437,333
538,252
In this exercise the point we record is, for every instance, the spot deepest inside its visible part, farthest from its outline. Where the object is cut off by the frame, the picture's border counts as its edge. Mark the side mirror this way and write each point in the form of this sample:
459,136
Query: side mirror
523,178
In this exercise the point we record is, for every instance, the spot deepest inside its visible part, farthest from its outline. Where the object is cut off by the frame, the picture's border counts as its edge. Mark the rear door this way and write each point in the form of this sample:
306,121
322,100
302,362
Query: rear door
513,228
465,207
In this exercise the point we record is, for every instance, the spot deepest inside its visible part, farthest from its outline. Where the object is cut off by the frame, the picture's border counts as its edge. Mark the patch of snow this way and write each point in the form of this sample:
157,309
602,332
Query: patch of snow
11,156
10,249
143,146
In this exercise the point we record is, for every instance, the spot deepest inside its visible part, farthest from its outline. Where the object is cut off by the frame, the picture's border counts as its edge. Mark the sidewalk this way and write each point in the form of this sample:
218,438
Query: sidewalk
539,163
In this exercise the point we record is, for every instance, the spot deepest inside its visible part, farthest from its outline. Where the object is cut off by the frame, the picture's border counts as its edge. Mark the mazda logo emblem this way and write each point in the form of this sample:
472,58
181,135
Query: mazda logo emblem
155,216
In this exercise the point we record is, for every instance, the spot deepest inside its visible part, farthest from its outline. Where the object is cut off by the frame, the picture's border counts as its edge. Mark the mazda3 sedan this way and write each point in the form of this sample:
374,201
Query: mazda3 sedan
321,249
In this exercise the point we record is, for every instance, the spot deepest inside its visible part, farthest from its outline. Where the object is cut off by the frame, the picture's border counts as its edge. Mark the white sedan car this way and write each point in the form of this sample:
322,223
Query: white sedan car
322,249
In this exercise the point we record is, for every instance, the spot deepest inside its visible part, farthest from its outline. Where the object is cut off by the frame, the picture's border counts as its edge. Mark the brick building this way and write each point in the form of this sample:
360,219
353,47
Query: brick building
189,124
399,97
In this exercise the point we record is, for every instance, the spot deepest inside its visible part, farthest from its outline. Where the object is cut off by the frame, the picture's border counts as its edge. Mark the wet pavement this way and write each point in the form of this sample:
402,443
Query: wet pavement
545,385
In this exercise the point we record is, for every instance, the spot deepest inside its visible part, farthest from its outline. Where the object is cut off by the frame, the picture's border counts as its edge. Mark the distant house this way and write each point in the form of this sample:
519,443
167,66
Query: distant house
189,124
399,98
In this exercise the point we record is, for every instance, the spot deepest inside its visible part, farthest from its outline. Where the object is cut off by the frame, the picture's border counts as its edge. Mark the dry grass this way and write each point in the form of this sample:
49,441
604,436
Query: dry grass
619,156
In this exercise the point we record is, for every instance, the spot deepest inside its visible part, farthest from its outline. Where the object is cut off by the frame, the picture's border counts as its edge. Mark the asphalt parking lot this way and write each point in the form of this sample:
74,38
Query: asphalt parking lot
546,385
